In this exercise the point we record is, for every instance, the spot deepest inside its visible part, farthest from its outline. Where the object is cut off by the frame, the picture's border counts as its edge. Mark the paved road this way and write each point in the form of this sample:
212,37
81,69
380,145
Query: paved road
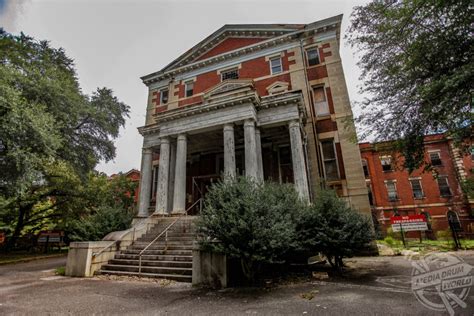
379,287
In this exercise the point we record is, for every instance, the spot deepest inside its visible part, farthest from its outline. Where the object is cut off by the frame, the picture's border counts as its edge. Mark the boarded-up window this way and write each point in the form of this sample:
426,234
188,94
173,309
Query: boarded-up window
320,102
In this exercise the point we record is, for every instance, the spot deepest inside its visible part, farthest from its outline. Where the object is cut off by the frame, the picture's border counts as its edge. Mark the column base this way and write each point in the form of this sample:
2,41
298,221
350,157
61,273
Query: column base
178,212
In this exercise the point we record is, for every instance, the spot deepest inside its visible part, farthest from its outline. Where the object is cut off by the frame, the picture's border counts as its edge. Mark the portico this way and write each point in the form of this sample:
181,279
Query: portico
235,129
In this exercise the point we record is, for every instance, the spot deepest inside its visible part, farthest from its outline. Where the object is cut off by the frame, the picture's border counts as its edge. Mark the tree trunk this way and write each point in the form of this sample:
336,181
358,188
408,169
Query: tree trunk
18,228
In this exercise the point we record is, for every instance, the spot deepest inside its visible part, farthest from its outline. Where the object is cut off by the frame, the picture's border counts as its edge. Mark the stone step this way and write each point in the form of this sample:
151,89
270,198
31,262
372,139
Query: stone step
148,269
155,257
158,252
175,277
160,242
152,263
161,246
176,237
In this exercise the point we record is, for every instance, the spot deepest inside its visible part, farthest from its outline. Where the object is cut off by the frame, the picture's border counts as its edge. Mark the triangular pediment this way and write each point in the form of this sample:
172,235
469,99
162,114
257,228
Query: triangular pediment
230,86
232,37
278,87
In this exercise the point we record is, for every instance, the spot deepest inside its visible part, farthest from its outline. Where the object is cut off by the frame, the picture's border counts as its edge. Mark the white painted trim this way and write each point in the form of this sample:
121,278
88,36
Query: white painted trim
238,66
271,68
280,54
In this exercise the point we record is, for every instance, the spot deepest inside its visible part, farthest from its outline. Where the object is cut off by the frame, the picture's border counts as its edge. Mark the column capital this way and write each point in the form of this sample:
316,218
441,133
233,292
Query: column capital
165,140
293,124
147,150
249,122
181,137
229,127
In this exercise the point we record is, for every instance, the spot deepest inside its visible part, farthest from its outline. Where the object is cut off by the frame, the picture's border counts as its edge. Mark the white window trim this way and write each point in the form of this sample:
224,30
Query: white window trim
238,66
271,68
394,182
421,187
229,70
447,183
186,88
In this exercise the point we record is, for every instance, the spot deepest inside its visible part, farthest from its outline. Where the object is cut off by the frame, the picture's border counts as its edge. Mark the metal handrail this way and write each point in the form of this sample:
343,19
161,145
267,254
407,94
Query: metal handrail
144,223
164,232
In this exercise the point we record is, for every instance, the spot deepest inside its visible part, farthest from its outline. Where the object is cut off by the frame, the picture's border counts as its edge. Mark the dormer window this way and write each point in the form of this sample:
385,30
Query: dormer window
164,96
275,65
230,74
189,87
313,56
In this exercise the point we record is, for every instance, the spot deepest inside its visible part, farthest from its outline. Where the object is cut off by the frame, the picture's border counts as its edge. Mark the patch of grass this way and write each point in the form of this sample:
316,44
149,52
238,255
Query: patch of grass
426,245
60,271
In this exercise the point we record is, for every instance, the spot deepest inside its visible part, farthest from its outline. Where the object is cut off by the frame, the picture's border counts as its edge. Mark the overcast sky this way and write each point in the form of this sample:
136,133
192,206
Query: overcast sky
115,42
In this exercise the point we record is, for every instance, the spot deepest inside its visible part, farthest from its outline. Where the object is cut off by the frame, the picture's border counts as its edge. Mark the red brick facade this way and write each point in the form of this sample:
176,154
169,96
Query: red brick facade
430,200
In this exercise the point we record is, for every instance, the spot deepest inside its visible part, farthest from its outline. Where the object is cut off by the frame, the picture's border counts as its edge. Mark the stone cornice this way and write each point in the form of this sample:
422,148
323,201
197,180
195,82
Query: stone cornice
292,97
168,72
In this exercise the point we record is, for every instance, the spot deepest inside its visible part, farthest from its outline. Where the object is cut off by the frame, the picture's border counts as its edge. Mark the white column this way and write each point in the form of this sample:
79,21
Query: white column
299,166
171,176
163,175
258,144
179,200
251,163
145,182
229,151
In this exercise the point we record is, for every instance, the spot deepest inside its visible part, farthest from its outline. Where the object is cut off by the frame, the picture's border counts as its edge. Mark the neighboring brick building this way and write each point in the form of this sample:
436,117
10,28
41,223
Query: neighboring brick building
134,175
436,193
268,101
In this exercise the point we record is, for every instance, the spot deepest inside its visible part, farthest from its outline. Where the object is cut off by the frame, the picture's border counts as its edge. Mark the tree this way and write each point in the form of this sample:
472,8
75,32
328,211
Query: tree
417,69
252,222
50,131
333,228
109,206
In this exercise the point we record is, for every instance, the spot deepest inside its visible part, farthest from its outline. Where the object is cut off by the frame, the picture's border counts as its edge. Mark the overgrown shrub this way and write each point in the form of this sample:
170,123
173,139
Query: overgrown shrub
333,228
250,221
94,227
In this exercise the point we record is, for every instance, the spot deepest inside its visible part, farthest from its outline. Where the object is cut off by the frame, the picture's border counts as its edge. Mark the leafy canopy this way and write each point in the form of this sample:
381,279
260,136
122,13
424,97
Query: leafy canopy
45,117
417,70
52,135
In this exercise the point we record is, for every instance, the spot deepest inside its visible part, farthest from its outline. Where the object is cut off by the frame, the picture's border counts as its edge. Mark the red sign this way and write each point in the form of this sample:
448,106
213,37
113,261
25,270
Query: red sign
409,222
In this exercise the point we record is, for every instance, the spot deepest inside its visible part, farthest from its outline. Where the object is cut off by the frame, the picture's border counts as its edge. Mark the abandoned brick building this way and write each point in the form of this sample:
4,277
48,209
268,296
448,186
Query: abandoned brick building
437,194
268,101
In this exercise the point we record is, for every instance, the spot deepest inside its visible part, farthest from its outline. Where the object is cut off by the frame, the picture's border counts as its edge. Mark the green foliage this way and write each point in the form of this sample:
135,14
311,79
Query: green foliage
418,70
333,228
106,219
468,186
106,205
250,221
390,241
268,223
52,134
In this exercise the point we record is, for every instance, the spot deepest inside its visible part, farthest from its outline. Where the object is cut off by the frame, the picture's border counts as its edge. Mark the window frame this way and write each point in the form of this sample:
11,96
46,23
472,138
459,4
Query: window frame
413,191
382,158
438,153
167,96
395,198
447,185
186,85
325,102
317,53
335,160
236,70
279,65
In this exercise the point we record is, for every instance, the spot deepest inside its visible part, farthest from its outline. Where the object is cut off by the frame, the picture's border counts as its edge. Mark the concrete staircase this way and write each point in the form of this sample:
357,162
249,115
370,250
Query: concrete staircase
170,259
